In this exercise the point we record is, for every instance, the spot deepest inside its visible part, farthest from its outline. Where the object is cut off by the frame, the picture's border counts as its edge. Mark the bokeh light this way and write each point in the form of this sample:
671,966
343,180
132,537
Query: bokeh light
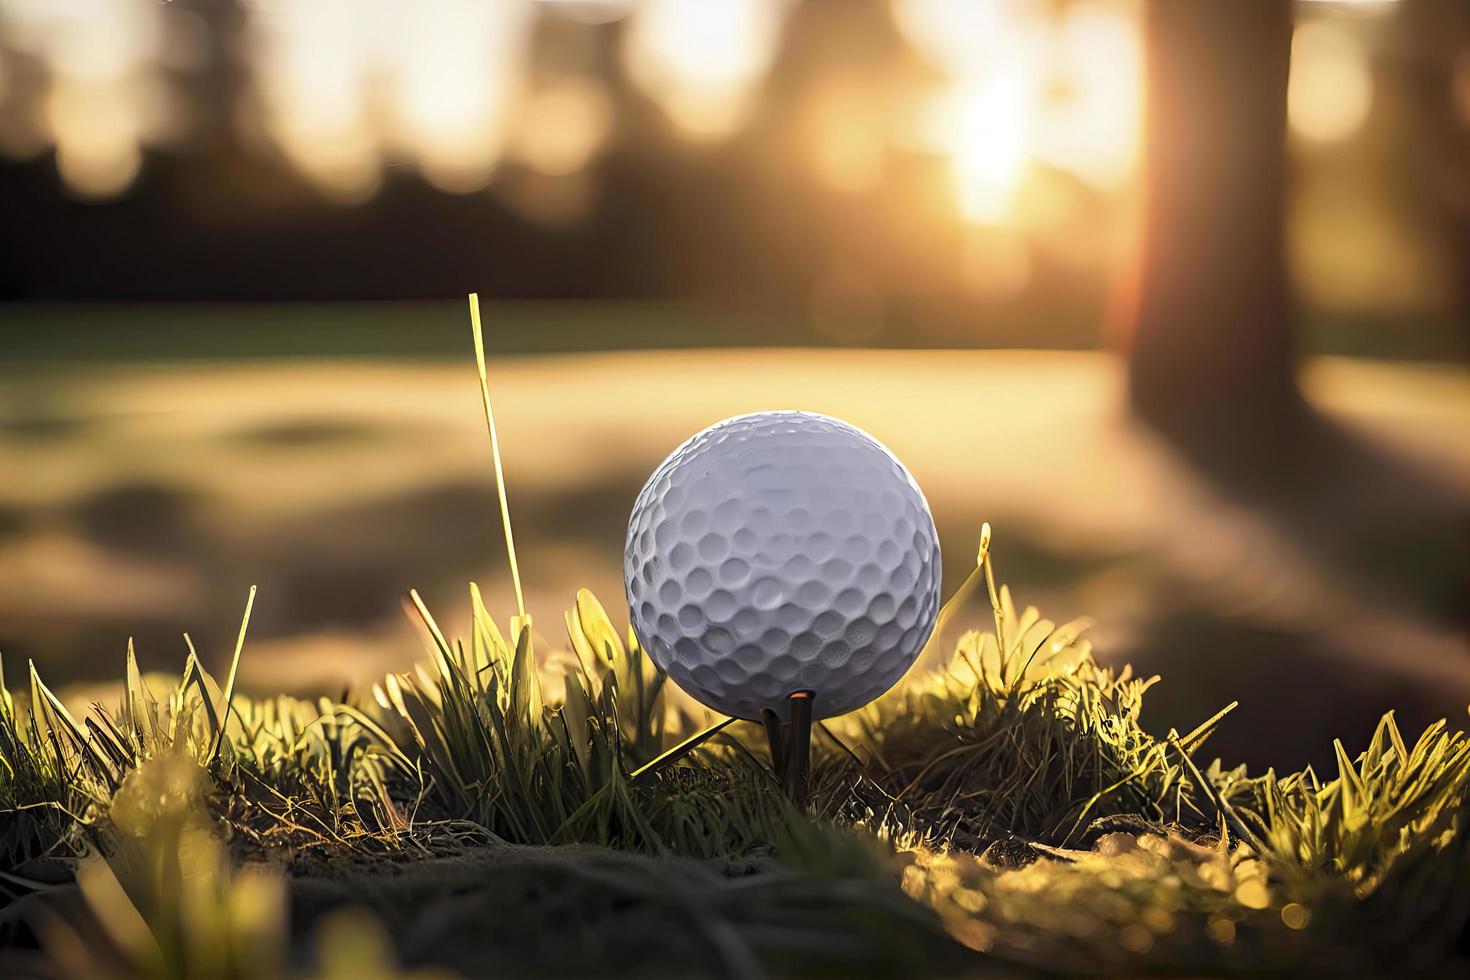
344,88
961,38
1089,113
97,132
101,101
1331,88
345,85
309,78
703,61
455,75
991,144
1023,88
565,121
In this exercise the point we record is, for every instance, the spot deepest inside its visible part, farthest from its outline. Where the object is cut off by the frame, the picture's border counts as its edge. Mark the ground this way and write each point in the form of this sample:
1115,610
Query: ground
1002,815
151,495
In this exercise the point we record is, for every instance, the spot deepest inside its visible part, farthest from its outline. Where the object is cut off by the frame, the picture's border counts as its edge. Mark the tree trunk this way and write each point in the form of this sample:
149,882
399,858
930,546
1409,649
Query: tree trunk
1210,354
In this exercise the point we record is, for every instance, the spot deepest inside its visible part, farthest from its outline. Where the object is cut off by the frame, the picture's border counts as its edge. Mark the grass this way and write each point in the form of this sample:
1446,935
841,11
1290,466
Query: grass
1002,810
1004,804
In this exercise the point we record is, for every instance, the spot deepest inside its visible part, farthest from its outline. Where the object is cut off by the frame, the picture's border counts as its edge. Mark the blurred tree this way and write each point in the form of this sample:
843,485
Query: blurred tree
1210,351
1212,363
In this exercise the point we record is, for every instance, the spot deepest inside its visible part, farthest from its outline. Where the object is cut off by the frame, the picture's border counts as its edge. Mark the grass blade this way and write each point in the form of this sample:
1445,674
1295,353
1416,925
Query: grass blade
510,541
228,706
682,749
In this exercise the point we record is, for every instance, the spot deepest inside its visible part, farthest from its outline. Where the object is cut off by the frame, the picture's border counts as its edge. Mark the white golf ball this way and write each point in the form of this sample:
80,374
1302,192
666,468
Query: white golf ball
782,552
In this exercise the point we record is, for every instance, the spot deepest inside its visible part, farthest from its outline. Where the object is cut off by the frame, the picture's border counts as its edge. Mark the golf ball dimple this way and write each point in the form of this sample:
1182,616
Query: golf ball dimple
782,552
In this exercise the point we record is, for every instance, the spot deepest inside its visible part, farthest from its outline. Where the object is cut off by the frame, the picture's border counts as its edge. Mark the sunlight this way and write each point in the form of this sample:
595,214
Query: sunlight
347,87
1091,125
101,97
961,37
990,152
982,118
310,66
1330,92
703,61
343,90
1025,89
455,71
97,133
563,124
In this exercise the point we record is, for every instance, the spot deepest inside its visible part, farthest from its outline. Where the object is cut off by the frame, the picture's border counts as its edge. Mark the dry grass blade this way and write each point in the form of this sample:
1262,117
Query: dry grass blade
679,751
228,707
510,542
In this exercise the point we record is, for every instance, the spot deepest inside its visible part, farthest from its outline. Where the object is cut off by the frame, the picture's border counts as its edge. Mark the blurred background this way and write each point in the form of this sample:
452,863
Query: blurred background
1173,294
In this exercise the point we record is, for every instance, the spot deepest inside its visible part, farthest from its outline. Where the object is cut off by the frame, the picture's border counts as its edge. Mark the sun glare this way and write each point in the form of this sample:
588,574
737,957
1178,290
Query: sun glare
1024,89
989,155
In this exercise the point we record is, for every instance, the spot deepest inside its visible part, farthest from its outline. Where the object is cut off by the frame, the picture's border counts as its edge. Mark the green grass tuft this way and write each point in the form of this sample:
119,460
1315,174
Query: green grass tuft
1007,790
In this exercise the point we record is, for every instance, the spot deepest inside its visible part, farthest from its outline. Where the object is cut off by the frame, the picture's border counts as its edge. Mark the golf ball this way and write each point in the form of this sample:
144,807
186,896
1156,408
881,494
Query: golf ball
781,552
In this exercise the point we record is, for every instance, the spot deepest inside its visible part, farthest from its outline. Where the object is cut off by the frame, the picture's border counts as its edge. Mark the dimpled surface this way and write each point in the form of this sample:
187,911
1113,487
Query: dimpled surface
782,552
